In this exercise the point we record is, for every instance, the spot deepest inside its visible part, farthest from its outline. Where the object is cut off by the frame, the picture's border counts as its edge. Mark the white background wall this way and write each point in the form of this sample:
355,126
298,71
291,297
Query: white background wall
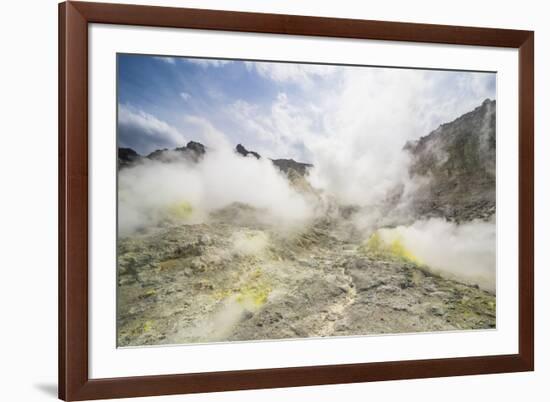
28,199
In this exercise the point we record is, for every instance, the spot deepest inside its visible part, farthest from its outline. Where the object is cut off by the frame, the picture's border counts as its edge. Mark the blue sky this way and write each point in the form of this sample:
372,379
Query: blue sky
283,110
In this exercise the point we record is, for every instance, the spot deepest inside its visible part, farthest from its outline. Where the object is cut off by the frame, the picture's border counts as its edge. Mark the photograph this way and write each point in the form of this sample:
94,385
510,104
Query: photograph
266,201
271,200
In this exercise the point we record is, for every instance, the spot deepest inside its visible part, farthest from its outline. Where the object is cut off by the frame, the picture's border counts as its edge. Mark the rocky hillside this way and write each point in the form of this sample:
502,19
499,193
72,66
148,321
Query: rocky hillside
457,162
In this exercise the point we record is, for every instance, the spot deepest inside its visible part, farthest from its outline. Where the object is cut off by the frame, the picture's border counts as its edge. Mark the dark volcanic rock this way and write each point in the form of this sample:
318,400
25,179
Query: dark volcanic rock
127,157
196,147
245,152
158,154
458,159
290,164
287,166
193,151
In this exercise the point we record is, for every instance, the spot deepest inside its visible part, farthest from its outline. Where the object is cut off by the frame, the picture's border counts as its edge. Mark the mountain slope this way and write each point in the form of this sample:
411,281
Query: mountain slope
455,165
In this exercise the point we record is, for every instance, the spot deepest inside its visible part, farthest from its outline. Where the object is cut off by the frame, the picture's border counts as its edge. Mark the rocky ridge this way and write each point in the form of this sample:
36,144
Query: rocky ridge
194,151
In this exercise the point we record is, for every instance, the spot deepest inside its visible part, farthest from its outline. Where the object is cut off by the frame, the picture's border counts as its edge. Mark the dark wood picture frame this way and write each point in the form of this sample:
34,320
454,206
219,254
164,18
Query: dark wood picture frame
74,382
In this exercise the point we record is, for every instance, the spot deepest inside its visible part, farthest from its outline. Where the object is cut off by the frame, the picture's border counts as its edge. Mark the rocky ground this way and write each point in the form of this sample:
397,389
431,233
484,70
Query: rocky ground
221,282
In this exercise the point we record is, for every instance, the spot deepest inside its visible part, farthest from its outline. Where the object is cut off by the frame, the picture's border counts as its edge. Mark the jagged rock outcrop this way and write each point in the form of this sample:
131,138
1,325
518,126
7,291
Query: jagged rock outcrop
287,166
245,152
456,164
194,147
127,157
290,164
158,154
193,151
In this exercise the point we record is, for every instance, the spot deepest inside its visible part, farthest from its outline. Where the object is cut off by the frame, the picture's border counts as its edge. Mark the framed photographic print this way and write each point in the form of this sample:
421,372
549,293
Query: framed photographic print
259,200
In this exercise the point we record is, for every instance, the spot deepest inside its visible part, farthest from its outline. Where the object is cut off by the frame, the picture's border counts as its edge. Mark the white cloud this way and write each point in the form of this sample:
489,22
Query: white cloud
144,132
185,96
169,60
281,128
209,135
301,74
209,62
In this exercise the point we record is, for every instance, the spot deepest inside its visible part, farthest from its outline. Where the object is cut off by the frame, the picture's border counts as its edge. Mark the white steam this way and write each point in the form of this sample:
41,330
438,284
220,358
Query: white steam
152,190
353,124
465,252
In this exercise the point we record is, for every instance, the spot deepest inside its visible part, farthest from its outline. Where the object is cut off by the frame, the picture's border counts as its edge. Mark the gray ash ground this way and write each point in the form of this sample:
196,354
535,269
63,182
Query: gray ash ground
220,281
